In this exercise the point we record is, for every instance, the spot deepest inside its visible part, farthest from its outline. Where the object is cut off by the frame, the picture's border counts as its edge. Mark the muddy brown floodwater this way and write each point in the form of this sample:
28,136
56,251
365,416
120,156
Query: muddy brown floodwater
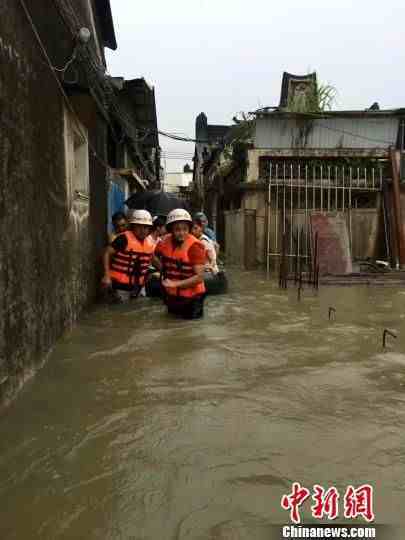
144,427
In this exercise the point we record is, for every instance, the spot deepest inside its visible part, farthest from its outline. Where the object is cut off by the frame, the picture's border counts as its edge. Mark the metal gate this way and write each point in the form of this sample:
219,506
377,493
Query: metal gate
296,190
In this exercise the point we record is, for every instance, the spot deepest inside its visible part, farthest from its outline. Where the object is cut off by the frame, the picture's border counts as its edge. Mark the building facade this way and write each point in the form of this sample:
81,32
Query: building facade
208,138
61,124
298,164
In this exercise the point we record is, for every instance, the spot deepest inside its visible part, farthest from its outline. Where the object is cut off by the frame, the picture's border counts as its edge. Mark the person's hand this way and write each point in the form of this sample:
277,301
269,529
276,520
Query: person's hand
170,283
106,281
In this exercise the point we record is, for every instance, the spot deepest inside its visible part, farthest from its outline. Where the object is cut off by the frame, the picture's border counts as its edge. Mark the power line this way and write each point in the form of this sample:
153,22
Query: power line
324,116
177,154
99,80
356,135
125,121
118,111
175,137
177,158
65,96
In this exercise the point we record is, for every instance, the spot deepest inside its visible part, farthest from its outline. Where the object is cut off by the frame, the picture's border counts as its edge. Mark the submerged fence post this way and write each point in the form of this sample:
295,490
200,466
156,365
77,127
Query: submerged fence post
332,310
297,254
315,259
385,334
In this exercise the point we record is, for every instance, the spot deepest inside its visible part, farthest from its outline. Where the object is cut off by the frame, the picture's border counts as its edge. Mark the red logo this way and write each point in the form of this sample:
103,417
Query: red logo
358,503
294,500
326,503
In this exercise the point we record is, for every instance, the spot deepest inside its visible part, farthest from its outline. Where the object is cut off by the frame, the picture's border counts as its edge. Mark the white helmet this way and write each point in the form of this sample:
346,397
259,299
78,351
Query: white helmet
178,215
141,217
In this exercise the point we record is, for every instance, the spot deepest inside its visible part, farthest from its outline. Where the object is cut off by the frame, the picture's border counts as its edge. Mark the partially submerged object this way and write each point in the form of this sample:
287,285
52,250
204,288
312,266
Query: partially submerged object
215,284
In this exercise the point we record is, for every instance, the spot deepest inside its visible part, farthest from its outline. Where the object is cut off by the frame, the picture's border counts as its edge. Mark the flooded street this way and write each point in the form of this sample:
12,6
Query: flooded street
145,427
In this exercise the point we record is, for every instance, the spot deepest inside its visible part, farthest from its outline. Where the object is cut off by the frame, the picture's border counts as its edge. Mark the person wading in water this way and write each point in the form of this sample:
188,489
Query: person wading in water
181,258
127,259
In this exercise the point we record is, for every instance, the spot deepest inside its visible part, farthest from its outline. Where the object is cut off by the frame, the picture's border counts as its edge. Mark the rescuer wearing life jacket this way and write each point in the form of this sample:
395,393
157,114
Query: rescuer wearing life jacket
182,258
127,258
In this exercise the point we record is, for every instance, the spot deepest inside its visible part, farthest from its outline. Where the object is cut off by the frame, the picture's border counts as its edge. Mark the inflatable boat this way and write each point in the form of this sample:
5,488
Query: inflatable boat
216,283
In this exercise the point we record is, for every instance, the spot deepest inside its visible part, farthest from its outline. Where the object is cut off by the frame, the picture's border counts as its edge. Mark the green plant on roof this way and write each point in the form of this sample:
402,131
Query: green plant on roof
316,98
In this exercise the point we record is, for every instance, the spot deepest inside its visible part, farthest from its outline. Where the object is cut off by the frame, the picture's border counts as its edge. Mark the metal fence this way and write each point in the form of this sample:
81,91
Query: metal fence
295,191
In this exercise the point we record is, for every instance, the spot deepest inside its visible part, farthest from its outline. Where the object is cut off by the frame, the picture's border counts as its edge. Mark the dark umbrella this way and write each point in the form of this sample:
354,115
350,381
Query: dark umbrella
158,203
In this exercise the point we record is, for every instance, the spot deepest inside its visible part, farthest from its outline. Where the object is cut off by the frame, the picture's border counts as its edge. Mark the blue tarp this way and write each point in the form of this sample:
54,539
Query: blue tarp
116,202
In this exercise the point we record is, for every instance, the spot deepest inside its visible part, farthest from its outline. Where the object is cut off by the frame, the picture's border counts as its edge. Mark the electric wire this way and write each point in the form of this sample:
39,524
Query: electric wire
65,96
131,131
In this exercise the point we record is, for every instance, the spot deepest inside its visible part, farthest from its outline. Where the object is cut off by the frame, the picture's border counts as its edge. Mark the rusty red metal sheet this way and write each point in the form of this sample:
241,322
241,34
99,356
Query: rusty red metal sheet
334,254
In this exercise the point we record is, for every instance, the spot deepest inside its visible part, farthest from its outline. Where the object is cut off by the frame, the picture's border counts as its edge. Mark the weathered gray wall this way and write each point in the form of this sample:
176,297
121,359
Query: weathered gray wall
50,242
240,236
257,200
234,237
367,233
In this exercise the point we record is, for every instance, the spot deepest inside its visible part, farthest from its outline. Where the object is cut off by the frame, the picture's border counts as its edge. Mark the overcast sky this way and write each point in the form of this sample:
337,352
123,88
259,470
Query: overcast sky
226,56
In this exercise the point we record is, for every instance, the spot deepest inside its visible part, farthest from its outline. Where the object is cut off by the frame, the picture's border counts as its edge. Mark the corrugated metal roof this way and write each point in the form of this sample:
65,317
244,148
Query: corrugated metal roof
289,131
369,113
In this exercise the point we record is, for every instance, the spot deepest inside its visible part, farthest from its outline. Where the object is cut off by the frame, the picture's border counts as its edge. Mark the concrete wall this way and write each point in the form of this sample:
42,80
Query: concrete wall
51,239
234,237
367,234
174,181
256,200
240,238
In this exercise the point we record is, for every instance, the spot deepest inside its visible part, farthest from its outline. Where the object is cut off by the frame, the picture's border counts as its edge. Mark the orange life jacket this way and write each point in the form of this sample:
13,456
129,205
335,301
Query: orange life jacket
176,265
129,267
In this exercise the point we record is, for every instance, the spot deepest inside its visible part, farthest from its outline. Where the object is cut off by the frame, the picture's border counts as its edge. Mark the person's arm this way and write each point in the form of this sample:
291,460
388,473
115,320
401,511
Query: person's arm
189,282
119,244
109,250
210,253
197,259
195,280
214,261
156,262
